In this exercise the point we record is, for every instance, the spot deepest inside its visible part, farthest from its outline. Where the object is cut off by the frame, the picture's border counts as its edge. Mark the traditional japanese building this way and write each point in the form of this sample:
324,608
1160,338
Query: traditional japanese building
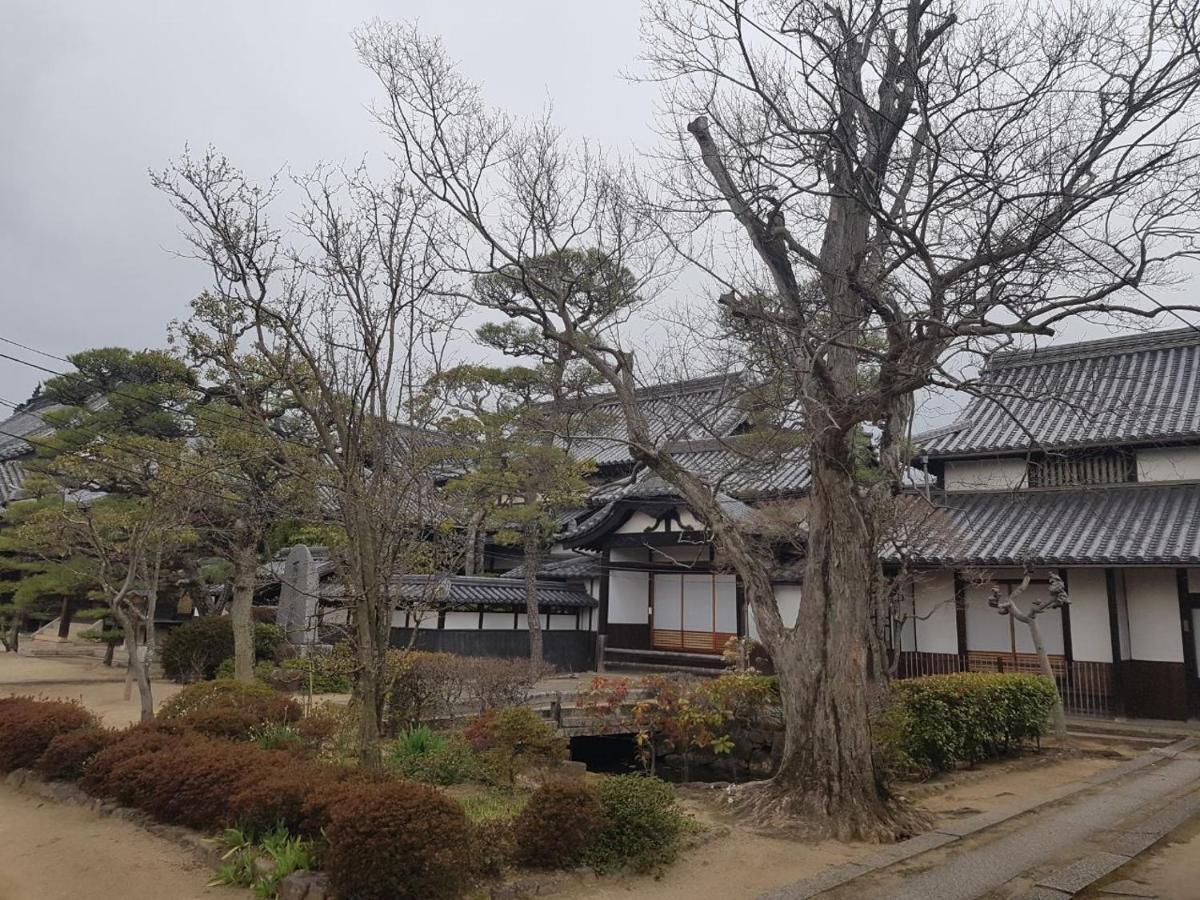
1083,459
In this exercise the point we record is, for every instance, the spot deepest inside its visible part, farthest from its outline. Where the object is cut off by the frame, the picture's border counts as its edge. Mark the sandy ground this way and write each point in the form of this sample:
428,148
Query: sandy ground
1169,870
99,687
747,863
742,863
56,852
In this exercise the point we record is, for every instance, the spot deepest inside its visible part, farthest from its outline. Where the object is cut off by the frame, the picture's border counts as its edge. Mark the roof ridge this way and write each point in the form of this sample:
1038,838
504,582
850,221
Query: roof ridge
1124,343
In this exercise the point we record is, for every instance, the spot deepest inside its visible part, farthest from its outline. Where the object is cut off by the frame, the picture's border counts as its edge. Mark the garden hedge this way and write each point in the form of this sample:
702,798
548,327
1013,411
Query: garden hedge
196,649
941,721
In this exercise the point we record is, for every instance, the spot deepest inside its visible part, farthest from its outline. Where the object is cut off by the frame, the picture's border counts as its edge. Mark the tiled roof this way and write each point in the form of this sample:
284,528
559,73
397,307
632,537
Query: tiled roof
1127,525
730,465
683,410
580,566
19,428
1135,388
12,475
463,590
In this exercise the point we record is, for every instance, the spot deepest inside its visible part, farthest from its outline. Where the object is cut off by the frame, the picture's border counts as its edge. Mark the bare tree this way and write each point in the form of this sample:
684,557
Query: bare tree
347,312
913,178
1056,598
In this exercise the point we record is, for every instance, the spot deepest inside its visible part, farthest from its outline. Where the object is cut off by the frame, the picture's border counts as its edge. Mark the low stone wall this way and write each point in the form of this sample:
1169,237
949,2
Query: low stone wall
757,751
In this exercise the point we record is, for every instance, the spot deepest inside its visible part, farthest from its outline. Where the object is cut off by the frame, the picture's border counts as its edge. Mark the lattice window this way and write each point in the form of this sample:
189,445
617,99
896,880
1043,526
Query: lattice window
1069,470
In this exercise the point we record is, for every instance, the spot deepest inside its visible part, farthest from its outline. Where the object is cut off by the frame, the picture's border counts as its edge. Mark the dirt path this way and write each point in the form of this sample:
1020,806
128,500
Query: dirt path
57,852
100,688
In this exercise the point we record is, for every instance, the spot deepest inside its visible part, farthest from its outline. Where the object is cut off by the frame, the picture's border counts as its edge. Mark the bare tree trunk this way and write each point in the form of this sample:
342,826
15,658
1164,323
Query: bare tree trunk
136,670
152,606
64,619
827,773
473,563
533,556
1058,717
245,567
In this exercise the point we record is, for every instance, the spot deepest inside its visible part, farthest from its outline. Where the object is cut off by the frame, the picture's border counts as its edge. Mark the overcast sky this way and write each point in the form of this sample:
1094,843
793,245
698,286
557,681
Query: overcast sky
93,94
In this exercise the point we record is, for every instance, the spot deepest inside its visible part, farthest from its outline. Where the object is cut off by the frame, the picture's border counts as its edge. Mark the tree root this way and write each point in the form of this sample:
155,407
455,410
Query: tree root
816,816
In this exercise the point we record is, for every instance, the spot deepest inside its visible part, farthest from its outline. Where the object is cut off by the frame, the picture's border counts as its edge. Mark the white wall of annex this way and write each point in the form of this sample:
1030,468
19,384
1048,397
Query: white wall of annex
1091,636
933,596
1152,596
1169,464
984,474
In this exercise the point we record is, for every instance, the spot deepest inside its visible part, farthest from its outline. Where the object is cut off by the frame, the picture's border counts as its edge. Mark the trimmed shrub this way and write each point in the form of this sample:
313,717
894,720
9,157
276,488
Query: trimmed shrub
196,649
642,825
27,727
941,721
421,687
104,774
557,824
513,739
492,847
228,709
397,841
67,754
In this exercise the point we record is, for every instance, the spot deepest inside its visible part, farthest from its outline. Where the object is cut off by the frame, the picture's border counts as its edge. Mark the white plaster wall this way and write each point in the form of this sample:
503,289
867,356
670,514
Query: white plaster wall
985,474
628,596
1153,600
933,596
1091,638
562,623
986,628
1169,464
787,596
640,522
498,621
463,620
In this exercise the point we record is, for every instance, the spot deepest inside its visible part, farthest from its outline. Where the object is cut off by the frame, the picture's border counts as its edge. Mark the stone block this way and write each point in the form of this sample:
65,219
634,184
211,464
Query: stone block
304,885
1083,872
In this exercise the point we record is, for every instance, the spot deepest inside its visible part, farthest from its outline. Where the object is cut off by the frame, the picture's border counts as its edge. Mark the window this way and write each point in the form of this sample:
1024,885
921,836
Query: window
1072,469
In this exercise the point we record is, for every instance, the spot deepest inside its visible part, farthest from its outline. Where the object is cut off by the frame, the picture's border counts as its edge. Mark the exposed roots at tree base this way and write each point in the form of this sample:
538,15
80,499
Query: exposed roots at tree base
780,806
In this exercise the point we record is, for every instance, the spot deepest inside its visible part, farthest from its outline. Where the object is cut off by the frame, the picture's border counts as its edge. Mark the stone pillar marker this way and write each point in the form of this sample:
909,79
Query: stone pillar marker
298,591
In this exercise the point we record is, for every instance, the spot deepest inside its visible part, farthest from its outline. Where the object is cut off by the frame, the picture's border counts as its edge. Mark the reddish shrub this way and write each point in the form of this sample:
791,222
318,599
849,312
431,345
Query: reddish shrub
295,794
100,775
513,739
68,753
397,841
27,727
228,709
556,825
492,847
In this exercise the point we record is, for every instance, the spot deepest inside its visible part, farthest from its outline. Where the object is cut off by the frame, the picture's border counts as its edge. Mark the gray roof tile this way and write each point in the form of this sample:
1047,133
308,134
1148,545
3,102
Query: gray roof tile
683,410
1126,525
1130,389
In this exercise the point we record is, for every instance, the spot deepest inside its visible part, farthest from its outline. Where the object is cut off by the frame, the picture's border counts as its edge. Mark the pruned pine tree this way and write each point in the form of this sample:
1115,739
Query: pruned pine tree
907,180
516,470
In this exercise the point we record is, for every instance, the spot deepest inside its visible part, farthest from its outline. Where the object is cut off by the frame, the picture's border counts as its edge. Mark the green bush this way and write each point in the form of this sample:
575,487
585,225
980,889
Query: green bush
513,739
196,649
642,825
27,727
557,825
423,755
322,673
397,841
67,754
938,722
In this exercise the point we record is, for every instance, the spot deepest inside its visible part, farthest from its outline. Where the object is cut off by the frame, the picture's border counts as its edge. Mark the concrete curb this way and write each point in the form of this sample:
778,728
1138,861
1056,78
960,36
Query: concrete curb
903,851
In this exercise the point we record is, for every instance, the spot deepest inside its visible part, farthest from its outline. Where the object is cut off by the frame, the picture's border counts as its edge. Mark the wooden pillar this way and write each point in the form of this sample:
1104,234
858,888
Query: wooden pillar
1119,704
960,619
